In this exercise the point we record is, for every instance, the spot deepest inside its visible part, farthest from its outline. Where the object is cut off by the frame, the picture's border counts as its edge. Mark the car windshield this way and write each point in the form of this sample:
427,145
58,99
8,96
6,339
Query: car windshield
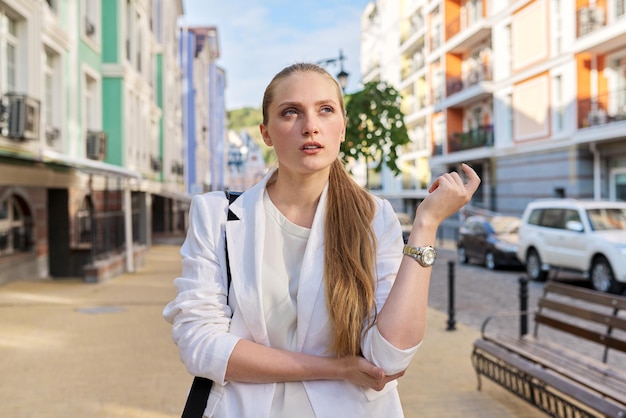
505,224
607,219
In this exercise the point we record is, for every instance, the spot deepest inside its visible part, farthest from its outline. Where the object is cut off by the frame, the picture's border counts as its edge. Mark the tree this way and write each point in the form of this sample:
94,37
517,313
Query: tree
376,129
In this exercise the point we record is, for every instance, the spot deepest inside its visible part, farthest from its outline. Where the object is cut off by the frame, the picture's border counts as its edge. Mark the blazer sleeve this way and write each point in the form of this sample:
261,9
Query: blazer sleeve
200,315
389,255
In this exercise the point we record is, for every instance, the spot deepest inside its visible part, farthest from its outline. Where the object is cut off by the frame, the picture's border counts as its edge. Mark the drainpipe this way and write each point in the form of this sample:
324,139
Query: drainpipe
597,176
128,229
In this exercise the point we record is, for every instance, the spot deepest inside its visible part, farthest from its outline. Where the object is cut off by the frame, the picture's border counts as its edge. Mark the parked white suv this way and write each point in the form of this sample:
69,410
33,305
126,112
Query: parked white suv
584,236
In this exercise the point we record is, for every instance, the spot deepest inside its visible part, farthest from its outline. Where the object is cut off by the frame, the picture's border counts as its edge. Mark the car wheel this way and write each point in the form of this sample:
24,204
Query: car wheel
490,261
602,277
533,266
462,255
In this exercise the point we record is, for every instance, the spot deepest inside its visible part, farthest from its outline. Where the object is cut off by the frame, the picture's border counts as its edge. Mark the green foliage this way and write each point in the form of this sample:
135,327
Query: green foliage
376,129
246,117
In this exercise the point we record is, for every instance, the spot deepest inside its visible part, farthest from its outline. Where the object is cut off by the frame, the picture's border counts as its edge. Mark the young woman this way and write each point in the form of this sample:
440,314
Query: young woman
326,308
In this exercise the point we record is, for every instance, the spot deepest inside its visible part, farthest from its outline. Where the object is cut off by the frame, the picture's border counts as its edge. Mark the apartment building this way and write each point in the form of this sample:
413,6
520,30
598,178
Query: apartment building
531,93
90,134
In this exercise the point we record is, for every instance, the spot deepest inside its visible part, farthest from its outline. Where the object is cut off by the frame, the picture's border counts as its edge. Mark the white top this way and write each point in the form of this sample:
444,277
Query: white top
285,243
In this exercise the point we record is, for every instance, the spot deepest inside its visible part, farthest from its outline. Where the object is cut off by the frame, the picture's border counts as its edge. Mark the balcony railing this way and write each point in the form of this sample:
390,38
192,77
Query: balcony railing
466,19
470,77
590,19
474,138
603,109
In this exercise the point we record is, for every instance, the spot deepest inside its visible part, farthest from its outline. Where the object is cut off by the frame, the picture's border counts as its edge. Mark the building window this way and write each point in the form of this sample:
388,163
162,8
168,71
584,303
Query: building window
91,19
507,52
52,96
92,102
9,50
620,100
15,226
129,30
508,109
138,45
558,106
83,222
558,27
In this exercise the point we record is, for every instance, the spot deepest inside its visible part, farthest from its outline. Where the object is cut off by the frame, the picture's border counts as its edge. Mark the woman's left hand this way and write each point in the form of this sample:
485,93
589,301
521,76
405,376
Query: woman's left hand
447,195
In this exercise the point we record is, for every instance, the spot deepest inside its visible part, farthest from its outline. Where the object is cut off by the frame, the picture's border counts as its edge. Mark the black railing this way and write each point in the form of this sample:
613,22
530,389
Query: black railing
474,138
107,234
590,19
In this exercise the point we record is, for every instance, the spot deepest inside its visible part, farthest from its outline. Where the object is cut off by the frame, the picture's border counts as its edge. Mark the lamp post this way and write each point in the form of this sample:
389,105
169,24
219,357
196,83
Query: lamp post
342,76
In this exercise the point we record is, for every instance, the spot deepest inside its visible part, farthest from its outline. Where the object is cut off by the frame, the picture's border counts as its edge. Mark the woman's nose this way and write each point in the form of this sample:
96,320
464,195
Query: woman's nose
310,125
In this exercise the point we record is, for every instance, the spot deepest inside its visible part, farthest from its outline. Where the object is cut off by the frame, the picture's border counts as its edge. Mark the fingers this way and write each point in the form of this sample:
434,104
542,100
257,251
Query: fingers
454,178
473,180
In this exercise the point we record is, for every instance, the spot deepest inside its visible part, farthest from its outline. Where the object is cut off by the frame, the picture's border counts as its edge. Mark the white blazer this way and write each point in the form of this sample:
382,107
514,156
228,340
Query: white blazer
208,319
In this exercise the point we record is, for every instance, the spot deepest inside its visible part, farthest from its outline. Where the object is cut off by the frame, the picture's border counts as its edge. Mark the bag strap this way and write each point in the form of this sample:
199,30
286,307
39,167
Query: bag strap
201,386
232,196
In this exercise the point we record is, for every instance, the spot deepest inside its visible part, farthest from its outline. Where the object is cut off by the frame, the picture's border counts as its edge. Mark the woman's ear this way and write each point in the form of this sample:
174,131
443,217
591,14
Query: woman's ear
265,135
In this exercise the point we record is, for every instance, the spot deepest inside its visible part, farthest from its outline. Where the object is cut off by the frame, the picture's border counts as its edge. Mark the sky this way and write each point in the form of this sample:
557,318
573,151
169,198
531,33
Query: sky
257,38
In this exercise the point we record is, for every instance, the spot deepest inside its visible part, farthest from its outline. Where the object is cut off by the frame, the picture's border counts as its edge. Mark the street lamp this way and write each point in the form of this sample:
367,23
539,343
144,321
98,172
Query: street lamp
342,76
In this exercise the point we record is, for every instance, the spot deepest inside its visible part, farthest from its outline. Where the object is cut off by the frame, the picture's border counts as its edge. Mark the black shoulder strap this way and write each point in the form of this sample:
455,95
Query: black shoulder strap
201,387
232,196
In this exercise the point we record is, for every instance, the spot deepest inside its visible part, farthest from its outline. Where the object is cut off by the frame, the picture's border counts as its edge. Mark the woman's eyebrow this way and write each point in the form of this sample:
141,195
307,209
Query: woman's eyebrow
317,103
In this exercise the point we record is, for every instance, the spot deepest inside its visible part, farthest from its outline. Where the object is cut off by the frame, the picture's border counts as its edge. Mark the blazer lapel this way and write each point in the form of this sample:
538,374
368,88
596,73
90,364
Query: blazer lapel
244,238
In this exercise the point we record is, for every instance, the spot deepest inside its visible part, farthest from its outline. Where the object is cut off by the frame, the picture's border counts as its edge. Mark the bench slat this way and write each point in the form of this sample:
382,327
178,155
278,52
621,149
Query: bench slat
604,299
579,312
595,336
593,374
580,393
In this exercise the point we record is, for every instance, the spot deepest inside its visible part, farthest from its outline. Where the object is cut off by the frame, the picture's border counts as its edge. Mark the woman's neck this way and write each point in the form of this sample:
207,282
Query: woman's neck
297,197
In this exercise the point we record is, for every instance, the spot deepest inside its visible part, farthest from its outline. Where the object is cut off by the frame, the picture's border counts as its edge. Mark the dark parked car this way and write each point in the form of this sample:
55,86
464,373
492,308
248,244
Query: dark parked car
490,240
406,222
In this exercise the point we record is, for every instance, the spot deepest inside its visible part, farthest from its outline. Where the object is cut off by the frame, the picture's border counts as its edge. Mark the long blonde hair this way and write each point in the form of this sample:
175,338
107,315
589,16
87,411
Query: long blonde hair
350,243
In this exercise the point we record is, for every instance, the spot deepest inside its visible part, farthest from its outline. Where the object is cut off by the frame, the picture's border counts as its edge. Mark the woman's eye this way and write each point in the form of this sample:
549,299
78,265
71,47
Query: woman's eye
327,109
289,112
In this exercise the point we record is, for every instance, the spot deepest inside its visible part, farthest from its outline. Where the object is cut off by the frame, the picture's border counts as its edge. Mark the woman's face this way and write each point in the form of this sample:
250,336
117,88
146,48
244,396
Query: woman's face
305,123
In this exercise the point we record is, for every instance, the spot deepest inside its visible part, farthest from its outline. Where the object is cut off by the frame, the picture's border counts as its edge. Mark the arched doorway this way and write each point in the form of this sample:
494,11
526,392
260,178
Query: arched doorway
16,225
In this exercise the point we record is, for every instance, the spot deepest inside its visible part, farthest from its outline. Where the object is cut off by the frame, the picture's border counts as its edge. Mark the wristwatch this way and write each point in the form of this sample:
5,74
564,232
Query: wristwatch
424,255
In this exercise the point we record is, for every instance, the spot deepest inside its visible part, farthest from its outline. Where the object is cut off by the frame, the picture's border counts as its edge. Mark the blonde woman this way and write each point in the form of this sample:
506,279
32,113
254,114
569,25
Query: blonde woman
326,307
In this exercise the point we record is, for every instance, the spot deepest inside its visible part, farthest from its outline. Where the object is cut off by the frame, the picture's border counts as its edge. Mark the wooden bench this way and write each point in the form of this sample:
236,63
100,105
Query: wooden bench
563,379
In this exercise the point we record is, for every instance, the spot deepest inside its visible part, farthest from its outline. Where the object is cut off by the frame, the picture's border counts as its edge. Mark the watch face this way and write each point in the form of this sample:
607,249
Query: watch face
428,256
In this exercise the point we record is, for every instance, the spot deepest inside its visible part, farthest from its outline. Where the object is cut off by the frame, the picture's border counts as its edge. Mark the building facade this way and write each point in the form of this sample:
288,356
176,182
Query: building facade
531,93
91,135
203,108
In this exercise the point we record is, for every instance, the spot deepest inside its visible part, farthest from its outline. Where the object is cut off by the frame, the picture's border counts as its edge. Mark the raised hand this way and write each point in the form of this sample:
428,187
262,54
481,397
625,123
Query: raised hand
447,195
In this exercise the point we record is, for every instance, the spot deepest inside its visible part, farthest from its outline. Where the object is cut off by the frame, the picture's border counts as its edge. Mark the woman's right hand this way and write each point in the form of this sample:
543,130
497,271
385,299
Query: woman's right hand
362,373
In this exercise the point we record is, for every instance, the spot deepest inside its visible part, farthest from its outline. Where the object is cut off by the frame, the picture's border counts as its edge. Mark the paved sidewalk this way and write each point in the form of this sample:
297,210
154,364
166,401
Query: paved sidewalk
70,349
